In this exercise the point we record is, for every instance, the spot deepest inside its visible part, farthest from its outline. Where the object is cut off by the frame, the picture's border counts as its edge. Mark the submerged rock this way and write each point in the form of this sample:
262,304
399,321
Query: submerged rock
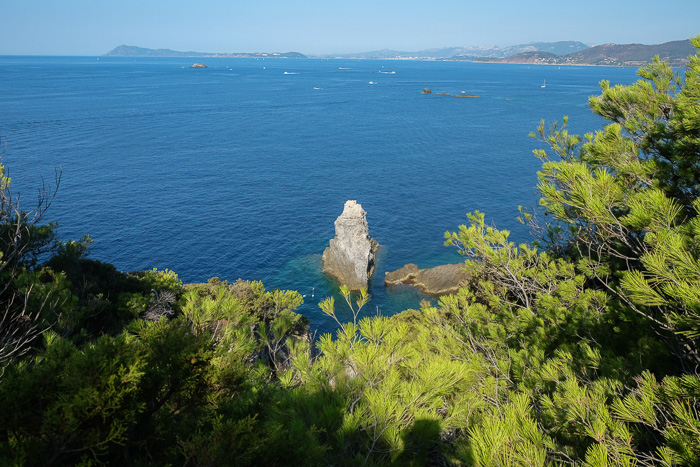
350,256
440,280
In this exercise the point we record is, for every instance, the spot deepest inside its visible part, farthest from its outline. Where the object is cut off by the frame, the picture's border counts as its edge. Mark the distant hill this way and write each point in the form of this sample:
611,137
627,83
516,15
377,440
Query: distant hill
132,51
675,53
560,48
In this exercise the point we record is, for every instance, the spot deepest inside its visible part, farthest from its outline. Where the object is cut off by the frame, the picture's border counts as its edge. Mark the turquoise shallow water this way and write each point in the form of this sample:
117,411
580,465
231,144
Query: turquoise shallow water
240,170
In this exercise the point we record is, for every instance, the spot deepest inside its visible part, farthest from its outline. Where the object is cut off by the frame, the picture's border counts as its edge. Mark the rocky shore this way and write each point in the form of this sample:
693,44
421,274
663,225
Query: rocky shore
440,280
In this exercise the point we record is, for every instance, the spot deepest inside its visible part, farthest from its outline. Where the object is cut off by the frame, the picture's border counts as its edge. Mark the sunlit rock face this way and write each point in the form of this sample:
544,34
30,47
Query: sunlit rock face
350,257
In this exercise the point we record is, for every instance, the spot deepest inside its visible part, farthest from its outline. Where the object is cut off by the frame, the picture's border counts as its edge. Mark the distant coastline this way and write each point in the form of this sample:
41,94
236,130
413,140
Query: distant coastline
133,51
539,53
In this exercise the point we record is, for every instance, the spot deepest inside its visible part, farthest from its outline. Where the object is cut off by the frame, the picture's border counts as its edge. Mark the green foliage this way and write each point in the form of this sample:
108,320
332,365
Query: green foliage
328,308
613,294
129,397
625,200
108,299
70,252
78,403
23,241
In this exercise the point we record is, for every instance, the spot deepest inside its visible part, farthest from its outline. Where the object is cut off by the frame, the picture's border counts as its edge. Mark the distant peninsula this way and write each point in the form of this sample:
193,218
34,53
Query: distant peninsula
132,51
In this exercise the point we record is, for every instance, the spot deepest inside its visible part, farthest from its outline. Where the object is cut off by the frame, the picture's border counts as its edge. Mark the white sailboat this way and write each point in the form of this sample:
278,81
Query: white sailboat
544,84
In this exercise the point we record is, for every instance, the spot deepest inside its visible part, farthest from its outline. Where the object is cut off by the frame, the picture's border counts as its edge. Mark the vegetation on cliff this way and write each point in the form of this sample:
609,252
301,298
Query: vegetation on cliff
580,348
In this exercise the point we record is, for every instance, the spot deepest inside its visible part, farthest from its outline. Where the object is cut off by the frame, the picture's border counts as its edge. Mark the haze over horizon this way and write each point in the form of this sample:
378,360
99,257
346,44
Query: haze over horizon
82,27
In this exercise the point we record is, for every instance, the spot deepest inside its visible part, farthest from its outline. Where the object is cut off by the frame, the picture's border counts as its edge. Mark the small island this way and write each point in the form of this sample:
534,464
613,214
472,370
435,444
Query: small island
199,65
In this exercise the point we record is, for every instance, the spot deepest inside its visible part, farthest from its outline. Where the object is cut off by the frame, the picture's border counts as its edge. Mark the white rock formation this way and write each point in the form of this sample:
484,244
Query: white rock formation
350,256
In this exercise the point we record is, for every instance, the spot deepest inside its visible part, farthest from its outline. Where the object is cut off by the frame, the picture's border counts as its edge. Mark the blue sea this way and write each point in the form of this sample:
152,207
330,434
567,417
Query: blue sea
240,170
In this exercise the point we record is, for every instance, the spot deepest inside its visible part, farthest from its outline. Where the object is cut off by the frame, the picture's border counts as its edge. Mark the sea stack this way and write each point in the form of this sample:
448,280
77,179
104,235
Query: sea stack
350,257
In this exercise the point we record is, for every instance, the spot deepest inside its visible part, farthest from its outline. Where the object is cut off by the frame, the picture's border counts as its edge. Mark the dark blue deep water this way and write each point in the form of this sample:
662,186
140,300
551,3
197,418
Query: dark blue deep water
240,170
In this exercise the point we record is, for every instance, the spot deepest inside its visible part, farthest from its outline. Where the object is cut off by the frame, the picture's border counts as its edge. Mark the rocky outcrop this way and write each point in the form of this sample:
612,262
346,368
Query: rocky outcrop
453,95
350,256
199,65
440,280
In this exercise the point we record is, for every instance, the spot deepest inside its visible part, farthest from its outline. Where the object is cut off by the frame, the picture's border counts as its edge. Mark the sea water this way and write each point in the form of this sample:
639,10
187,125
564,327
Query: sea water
239,170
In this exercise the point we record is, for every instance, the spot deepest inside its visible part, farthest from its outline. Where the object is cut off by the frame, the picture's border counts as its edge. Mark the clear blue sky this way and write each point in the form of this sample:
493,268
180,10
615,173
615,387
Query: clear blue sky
93,27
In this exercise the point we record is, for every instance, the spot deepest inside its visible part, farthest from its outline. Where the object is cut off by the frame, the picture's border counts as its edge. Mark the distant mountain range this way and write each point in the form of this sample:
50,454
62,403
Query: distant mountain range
675,53
470,53
545,53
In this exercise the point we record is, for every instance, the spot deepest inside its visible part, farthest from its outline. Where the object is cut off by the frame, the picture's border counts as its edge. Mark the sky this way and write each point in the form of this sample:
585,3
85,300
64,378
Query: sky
314,27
